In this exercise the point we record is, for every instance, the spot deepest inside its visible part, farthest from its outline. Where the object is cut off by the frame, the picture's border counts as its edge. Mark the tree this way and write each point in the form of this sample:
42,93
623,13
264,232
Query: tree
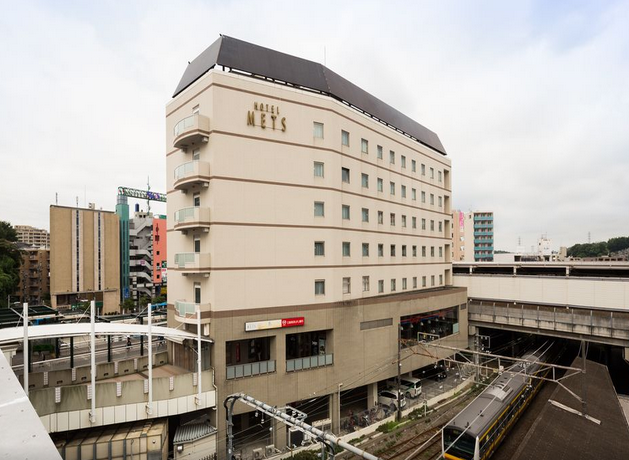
10,261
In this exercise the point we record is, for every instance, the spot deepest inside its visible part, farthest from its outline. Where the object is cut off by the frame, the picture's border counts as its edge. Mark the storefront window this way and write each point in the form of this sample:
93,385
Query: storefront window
306,344
248,351
430,326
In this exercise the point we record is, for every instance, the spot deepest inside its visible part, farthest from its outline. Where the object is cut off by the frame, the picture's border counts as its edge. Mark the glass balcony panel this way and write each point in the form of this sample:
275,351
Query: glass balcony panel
231,372
255,368
271,366
264,367
290,365
246,372
239,372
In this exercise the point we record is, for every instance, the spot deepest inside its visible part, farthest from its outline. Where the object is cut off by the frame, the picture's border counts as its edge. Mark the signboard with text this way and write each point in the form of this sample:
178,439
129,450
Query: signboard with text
274,324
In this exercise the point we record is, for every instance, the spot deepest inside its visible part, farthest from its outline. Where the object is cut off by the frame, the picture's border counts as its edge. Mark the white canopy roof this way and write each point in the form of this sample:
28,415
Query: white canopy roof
45,331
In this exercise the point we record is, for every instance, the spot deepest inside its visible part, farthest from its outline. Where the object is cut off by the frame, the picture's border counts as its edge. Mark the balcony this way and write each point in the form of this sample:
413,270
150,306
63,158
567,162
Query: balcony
484,233
483,226
186,312
193,263
250,369
484,241
309,362
192,131
481,218
193,218
192,175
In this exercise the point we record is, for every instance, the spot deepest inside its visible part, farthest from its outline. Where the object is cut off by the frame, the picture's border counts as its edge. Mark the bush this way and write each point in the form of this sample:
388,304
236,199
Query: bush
306,455
387,427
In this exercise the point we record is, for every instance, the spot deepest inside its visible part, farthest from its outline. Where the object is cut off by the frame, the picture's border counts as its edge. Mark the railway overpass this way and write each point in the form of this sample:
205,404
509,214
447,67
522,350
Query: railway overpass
574,300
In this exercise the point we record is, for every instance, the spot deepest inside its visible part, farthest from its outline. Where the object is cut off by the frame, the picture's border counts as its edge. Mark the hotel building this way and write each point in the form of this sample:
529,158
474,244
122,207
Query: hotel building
306,220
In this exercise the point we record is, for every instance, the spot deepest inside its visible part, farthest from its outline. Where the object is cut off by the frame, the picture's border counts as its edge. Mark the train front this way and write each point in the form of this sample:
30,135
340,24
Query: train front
458,445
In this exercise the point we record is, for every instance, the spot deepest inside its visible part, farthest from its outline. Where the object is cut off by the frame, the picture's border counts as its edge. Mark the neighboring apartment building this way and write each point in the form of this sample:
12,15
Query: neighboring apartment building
34,286
473,236
84,257
307,220
142,252
32,236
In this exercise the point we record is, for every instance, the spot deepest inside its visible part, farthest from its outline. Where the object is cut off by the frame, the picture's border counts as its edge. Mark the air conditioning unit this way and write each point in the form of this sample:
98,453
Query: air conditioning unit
258,454
295,437
269,450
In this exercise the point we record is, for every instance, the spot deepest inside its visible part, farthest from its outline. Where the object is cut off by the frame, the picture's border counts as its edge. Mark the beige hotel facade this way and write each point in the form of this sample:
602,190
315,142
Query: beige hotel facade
306,220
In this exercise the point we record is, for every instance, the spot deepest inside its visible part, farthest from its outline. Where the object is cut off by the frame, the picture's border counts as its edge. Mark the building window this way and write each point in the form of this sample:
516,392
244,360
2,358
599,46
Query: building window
392,188
423,251
365,284
403,221
440,226
403,161
440,251
440,280
364,146
423,197
393,250
423,169
319,209
365,213
440,201
380,217
196,200
432,280
414,251
319,248
423,224
403,191
365,249
439,175
432,173
403,250
432,225
380,286
393,285
345,138
345,212
346,247
414,282
413,166
347,285
318,130
432,198
319,287
345,175
364,178
404,284
318,169
432,251
423,281
379,149
413,194
381,250
380,185
391,157
414,222
392,219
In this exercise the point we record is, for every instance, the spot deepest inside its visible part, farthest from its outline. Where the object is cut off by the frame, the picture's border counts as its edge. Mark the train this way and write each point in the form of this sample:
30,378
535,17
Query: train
476,432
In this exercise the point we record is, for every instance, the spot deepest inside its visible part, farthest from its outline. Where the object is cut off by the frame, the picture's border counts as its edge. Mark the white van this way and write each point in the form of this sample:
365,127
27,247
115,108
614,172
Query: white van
410,386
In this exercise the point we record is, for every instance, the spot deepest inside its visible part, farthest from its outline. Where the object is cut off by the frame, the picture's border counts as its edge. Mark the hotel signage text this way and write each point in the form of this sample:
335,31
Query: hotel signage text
274,324
267,116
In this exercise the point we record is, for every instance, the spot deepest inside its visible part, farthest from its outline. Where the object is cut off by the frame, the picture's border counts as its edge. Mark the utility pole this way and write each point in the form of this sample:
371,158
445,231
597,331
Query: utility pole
398,416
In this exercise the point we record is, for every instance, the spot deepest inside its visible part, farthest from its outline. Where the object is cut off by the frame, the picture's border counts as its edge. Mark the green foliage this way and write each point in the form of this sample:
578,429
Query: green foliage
158,299
10,261
388,427
618,243
127,305
144,301
589,250
306,455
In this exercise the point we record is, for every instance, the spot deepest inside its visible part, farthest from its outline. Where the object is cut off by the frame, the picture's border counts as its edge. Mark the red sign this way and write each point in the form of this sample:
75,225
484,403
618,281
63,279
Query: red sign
292,322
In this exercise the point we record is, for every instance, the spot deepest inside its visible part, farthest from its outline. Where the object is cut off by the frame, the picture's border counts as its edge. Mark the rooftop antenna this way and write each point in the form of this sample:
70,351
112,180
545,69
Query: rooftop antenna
56,199
148,189
77,201
589,237
519,241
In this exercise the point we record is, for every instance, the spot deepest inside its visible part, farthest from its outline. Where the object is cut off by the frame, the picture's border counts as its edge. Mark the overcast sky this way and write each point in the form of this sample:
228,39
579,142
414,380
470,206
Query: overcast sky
530,98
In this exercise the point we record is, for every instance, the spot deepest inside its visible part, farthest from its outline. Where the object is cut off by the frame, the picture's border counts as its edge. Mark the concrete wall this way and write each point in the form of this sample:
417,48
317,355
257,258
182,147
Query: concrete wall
587,292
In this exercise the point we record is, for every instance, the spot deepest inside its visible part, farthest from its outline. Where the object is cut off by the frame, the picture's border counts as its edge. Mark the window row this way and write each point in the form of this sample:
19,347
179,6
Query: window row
318,132
346,250
319,211
319,170
366,284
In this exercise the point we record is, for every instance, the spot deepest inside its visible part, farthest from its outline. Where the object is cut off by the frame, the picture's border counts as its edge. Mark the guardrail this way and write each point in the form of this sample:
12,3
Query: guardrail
309,362
250,369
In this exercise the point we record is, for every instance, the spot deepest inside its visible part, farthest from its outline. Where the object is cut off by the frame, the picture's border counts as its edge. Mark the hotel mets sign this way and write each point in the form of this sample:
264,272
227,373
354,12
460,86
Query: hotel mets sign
266,116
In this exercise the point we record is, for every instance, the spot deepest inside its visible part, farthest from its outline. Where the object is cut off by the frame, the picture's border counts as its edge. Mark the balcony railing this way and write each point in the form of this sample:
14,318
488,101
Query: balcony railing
483,226
192,174
187,311
191,131
480,218
193,262
194,217
309,362
484,233
250,369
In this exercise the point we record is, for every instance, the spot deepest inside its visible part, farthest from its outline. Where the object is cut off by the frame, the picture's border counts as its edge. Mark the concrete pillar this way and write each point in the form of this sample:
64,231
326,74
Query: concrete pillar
280,440
335,412
372,395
